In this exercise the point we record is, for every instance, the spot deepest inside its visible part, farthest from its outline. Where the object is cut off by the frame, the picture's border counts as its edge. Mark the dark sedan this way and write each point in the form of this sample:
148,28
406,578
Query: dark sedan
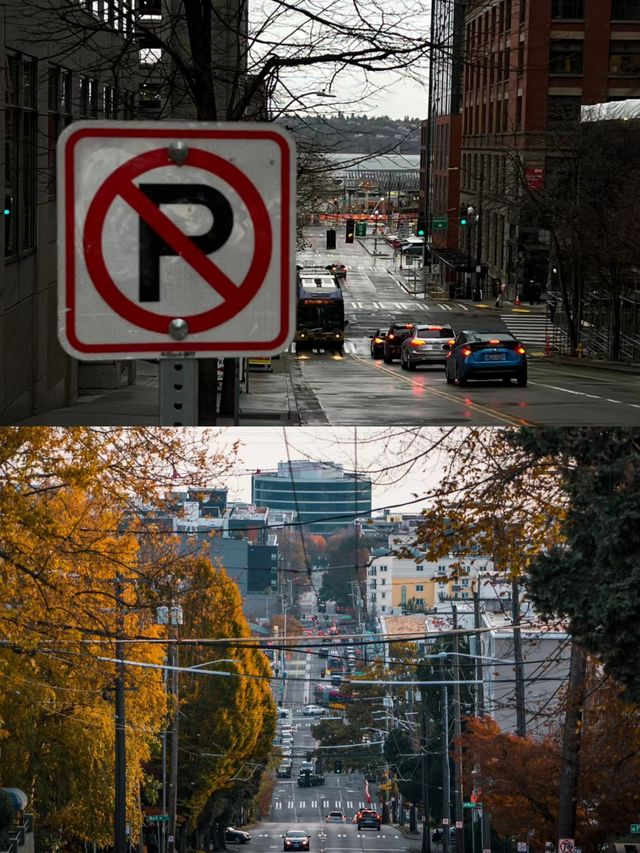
486,355
377,344
296,839
397,333
339,270
236,836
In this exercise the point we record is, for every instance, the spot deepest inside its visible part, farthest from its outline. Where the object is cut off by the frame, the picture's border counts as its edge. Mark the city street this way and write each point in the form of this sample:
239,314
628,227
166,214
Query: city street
356,389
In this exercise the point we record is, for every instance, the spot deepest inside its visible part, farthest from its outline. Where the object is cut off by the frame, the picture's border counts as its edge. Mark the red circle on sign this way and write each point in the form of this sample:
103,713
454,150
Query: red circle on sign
237,297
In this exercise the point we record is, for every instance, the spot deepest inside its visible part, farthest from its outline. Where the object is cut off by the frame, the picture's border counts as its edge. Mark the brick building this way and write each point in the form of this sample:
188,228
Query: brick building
528,66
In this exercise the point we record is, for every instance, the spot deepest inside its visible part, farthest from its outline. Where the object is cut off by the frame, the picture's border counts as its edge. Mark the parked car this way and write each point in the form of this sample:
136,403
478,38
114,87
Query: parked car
398,332
426,345
486,355
296,839
285,770
236,836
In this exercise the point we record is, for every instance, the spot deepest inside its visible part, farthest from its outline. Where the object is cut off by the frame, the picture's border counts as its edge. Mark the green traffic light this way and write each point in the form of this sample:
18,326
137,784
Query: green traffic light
463,221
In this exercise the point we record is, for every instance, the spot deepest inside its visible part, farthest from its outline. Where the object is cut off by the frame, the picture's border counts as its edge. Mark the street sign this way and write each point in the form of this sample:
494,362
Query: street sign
361,229
522,847
635,828
439,223
472,805
176,239
157,818
459,824
566,845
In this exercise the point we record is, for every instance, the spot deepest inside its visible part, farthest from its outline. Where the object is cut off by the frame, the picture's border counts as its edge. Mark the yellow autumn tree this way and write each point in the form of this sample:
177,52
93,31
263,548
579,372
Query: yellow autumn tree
67,499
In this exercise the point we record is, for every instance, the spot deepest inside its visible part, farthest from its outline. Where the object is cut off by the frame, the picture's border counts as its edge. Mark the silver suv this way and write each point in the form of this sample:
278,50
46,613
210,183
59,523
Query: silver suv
426,345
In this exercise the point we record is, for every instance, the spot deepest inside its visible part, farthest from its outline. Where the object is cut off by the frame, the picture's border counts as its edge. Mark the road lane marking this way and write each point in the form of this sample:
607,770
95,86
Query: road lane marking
437,392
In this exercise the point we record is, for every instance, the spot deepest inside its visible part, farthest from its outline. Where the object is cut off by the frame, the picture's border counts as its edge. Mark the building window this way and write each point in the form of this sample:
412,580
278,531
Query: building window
420,568
88,96
403,594
382,582
565,56
464,582
373,571
625,10
20,156
562,110
59,103
108,102
149,53
420,602
624,58
150,8
383,595
419,587
567,9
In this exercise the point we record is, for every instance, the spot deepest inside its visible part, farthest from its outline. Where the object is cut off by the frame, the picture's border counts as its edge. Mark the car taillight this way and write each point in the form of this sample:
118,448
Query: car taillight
390,337
466,352
520,349
494,343
417,342
378,340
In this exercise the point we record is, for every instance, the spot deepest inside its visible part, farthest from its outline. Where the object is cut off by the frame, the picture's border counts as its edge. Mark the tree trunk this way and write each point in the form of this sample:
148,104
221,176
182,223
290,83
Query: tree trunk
571,743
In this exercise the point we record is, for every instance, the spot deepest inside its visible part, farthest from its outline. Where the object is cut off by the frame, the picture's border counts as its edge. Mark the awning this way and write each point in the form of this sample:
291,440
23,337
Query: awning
18,798
453,258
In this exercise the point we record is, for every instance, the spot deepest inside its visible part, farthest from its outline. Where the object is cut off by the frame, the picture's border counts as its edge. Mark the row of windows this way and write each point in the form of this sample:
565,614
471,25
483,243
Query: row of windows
92,100
621,10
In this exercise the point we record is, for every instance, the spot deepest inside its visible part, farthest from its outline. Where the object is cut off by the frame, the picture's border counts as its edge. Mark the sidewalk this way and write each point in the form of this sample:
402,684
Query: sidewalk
271,400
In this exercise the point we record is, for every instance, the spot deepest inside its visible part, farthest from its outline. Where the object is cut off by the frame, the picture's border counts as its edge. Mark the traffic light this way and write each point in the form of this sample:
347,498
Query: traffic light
331,239
350,231
421,228
338,767
463,216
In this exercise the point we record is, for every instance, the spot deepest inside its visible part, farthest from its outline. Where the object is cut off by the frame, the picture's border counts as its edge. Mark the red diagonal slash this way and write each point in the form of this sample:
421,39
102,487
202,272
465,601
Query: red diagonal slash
178,240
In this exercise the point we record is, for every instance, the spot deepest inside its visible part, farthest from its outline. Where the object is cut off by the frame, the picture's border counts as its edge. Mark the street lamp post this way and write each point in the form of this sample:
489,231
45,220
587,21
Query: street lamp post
471,211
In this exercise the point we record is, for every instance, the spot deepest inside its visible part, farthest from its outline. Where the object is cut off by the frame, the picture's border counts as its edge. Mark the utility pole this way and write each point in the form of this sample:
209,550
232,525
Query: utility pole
521,719
446,784
175,620
120,811
485,821
571,739
457,732
424,774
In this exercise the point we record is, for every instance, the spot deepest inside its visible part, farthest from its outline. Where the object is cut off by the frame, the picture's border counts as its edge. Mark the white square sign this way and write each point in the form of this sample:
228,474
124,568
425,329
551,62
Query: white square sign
175,239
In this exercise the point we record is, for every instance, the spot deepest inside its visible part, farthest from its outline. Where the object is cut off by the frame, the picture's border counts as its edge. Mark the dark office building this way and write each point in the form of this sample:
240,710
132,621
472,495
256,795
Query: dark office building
325,496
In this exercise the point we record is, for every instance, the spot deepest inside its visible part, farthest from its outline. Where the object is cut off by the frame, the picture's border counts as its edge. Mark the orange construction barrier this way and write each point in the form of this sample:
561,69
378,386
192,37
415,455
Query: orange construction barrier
516,301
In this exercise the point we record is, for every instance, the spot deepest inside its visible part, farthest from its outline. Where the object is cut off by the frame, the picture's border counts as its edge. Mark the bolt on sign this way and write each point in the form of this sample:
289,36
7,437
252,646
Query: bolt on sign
175,239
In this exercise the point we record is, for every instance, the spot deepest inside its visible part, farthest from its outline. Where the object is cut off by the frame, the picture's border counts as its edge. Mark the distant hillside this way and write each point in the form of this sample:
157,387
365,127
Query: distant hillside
355,134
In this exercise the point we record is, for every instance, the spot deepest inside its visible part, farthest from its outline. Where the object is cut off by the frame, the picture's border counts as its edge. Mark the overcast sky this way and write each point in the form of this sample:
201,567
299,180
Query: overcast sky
382,453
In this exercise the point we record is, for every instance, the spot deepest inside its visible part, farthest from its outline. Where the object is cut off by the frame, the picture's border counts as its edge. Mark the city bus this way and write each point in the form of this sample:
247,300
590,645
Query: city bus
319,310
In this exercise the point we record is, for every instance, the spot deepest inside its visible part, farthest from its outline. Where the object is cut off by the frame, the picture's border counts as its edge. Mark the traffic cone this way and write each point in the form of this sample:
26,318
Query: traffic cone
516,301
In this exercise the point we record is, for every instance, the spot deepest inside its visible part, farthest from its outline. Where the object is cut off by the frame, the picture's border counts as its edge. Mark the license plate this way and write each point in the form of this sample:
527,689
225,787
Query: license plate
495,356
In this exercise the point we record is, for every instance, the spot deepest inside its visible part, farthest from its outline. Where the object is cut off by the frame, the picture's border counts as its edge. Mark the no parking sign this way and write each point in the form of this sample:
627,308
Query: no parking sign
175,239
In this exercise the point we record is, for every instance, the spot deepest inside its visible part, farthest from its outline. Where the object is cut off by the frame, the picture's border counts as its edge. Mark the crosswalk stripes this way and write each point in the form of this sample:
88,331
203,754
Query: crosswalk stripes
349,348
530,329
404,306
